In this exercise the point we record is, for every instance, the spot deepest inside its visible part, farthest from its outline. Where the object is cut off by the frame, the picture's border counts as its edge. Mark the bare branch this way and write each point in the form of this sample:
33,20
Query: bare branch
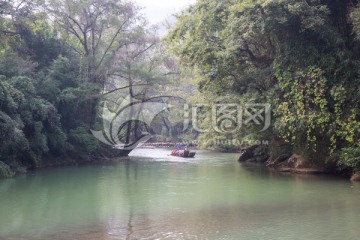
160,97
121,88
144,50
172,73
19,5
111,43
8,32
73,48
76,23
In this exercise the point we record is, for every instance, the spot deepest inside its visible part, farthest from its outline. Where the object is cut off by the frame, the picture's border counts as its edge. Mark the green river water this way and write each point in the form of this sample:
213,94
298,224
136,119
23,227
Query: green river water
154,196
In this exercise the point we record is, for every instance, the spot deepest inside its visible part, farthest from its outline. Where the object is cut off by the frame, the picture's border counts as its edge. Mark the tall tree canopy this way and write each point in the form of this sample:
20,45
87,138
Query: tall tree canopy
94,29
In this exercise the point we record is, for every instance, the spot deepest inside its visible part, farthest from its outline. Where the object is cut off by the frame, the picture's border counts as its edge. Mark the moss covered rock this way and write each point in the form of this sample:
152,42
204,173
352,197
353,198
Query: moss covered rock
254,153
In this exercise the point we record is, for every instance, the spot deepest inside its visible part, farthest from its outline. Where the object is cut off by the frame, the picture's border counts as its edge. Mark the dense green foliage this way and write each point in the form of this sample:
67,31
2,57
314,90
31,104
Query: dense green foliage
300,56
61,64
40,93
55,60
351,157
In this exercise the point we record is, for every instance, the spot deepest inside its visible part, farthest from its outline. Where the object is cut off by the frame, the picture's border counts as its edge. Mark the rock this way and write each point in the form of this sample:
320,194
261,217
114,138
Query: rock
254,153
293,164
296,161
287,161
272,162
355,177
5,171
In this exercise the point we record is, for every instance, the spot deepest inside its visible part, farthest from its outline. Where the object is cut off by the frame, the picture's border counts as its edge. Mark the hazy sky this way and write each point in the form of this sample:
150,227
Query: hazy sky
157,10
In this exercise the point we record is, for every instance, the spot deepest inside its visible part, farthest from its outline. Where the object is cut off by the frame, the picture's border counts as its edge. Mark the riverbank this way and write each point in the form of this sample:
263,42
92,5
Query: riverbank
293,163
7,171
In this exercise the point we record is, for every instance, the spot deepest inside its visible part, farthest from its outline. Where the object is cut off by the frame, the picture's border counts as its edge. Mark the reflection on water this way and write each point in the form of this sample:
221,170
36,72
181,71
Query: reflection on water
154,196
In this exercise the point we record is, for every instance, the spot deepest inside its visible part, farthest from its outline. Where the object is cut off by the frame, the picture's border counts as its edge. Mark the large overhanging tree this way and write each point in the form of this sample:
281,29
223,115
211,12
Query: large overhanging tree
138,78
117,51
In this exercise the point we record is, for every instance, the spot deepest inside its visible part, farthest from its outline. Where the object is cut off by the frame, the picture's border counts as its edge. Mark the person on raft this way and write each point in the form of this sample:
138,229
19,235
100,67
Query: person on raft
179,146
179,151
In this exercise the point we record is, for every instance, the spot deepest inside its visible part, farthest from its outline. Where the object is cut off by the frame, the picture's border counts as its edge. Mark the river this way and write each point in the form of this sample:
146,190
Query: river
151,195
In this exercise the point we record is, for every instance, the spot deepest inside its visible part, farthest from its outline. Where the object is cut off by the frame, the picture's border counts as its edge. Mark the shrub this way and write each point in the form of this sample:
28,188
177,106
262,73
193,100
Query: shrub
350,157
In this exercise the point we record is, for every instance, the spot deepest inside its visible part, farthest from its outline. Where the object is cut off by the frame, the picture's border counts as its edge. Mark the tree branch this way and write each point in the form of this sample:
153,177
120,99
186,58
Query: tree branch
111,43
121,88
144,50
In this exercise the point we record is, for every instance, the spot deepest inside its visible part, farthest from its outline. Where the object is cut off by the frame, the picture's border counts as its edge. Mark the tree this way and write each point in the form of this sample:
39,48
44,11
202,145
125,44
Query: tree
137,79
94,29
294,54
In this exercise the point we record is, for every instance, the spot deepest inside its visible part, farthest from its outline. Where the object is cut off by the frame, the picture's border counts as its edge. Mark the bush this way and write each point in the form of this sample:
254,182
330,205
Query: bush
350,157
5,171
84,143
